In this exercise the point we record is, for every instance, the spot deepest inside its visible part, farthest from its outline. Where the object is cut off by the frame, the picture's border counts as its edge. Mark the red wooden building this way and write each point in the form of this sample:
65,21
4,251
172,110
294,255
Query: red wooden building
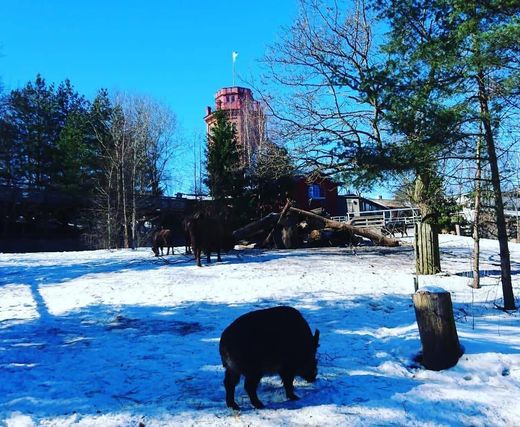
317,193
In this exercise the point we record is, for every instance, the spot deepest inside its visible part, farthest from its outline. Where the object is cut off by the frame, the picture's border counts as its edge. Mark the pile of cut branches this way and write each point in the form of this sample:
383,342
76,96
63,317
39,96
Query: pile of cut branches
293,228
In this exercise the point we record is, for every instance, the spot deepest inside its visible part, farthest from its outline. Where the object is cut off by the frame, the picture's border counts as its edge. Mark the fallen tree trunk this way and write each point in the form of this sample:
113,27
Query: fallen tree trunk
376,237
284,211
263,225
329,237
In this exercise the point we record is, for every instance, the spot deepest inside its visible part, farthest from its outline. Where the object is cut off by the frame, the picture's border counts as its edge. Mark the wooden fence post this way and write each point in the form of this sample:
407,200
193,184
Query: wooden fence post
440,343
427,257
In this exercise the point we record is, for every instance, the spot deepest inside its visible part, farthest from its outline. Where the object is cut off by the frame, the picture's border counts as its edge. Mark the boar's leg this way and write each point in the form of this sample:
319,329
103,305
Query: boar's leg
218,255
197,257
251,384
231,379
287,379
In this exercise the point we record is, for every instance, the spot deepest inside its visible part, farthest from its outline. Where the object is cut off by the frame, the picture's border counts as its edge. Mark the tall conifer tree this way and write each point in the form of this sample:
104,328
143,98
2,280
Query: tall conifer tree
225,174
473,47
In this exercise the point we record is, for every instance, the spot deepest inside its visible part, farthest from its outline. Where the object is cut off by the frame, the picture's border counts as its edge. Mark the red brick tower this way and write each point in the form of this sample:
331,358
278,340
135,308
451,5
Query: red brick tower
245,113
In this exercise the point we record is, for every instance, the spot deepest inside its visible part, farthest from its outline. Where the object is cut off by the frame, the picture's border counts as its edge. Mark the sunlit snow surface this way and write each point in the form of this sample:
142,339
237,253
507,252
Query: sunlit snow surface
118,338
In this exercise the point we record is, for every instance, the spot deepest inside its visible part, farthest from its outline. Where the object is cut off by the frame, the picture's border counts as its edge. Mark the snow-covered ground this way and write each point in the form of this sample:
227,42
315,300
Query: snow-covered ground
118,338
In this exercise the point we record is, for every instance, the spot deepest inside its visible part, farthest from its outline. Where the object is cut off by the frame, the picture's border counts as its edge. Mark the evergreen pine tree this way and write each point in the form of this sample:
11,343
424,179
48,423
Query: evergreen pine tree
43,133
472,46
225,173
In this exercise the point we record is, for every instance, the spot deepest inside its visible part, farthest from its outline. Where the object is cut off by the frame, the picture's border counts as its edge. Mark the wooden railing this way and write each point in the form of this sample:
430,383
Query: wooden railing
380,218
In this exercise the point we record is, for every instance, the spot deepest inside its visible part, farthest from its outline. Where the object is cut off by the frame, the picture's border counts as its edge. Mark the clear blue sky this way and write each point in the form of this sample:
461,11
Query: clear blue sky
176,51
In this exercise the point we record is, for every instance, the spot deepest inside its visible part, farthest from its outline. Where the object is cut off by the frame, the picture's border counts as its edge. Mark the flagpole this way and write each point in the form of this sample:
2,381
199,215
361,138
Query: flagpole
233,60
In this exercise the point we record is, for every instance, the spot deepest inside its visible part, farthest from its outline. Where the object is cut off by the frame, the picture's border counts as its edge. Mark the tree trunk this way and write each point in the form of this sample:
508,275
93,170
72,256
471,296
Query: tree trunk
109,222
505,262
421,194
256,228
427,258
439,339
476,222
289,233
134,219
376,237
134,202
123,198
109,205
517,226
282,214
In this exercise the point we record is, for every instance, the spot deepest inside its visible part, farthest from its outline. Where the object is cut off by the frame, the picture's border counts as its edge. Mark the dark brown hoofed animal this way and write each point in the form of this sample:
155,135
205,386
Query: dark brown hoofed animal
395,226
161,239
186,229
276,340
208,233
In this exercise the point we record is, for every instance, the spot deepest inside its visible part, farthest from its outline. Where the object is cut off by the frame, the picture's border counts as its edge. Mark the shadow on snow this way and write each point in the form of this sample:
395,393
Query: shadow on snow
110,359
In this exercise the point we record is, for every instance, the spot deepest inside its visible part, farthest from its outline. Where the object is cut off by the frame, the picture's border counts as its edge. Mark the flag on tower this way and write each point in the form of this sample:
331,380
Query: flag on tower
234,56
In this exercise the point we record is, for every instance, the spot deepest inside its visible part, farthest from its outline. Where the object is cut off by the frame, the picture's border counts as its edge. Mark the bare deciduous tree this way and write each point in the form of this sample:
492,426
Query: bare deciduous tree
137,143
325,104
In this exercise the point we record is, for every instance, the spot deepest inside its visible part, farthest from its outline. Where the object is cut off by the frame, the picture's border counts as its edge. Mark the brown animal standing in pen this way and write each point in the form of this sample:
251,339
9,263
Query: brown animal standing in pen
161,239
395,226
208,233
186,230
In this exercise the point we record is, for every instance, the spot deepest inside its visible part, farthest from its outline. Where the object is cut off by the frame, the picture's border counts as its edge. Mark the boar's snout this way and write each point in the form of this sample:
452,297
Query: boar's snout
311,377
310,372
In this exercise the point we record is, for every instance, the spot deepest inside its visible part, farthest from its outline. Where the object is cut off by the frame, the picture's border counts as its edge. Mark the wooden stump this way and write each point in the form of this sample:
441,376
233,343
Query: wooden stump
427,258
439,339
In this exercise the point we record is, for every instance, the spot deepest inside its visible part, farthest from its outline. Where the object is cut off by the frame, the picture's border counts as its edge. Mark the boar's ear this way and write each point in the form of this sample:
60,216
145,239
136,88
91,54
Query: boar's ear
316,338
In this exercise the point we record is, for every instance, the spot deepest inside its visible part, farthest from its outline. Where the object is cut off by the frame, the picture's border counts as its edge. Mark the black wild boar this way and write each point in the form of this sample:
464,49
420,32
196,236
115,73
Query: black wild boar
276,340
